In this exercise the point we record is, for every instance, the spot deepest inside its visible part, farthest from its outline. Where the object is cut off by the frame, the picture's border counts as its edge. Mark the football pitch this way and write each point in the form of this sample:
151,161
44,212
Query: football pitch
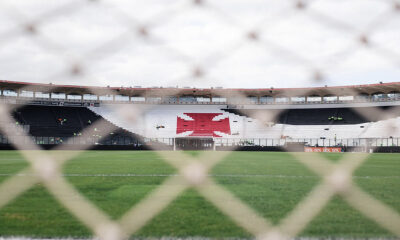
271,183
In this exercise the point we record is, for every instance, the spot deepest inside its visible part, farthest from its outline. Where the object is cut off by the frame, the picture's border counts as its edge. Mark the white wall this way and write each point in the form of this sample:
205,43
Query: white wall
143,119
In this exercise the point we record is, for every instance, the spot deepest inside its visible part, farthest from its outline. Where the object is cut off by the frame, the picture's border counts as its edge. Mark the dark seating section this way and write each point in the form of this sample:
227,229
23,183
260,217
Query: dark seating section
46,121
336,116
325,116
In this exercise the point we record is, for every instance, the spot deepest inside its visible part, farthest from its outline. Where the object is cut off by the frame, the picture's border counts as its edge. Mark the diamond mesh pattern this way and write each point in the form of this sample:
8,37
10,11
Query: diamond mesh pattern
158,29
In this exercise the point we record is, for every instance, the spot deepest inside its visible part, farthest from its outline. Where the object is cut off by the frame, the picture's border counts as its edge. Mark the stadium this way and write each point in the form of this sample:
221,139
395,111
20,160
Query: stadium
255,121
267,120
338,119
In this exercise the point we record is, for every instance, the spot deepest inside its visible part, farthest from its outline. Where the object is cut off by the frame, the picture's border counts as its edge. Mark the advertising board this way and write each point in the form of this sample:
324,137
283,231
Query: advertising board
322,149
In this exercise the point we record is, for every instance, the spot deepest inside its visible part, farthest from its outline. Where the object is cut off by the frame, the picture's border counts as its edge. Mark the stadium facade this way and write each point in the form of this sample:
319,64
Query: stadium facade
357,118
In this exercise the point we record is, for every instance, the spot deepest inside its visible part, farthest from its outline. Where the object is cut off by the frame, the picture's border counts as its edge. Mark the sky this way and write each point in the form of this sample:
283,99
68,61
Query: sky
200,43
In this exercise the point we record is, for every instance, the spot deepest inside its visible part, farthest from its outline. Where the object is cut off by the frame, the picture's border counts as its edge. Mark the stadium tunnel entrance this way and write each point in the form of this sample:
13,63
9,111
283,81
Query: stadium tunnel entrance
190,143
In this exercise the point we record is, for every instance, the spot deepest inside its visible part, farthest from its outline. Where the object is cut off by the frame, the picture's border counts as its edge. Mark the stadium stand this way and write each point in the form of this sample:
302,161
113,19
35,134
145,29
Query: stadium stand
64,122
320,116
143,114
184,121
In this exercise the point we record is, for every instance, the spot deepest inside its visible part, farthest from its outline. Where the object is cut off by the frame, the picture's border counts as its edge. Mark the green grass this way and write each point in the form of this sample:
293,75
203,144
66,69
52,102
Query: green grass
280,184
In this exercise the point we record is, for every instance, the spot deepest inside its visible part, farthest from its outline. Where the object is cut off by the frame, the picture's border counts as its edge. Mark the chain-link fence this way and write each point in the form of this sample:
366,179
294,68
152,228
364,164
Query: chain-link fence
200,43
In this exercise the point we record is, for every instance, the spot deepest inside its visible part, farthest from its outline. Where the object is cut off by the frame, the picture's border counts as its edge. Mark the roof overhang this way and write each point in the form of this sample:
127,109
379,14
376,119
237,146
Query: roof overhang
131,91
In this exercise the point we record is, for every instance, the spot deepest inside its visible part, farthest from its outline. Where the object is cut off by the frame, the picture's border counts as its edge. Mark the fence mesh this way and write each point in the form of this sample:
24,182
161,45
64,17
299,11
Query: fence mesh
222,34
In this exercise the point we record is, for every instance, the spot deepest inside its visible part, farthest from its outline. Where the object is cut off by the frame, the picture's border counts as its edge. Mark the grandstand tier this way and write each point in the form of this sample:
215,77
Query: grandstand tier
170,121
61,123
161,121
144,115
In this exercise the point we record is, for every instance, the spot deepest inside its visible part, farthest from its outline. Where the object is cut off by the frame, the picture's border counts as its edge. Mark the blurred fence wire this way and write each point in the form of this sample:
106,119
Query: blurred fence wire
194,42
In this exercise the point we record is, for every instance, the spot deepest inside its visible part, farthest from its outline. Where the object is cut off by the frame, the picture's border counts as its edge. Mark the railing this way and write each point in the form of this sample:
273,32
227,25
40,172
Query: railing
264,142
27,100
44,140
327,142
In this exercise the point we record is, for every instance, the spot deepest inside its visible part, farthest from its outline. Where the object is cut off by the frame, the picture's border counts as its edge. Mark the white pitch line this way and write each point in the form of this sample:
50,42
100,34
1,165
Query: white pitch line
172,175
198,238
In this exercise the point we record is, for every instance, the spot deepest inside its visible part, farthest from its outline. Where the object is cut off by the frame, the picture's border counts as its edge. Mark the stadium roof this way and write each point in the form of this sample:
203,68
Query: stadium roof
160,91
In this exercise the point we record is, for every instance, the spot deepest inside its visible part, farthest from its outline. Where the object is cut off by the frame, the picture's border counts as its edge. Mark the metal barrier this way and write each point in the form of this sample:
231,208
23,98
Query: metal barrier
267,142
